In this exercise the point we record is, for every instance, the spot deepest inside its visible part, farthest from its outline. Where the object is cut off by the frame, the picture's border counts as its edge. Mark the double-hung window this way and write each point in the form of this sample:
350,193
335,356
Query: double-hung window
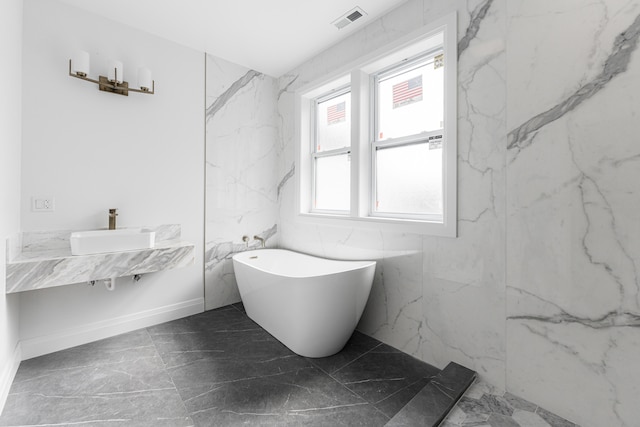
377,139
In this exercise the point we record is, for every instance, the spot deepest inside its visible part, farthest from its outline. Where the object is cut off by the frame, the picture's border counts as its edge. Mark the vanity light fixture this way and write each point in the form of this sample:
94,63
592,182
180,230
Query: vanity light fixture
113,82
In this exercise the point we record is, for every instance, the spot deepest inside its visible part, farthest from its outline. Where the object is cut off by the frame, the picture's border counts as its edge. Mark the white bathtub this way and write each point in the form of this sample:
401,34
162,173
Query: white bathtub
312,305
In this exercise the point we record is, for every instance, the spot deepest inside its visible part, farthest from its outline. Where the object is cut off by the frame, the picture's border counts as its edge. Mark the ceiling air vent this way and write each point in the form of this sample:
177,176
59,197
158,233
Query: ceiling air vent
349,17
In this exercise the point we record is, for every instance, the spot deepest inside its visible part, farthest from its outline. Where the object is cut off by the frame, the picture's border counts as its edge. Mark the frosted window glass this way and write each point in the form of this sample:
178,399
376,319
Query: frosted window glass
333,123
411,102
332,183
418,189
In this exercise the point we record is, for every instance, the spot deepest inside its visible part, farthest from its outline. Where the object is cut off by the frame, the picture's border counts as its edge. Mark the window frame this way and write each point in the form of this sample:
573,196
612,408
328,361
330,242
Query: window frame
358,75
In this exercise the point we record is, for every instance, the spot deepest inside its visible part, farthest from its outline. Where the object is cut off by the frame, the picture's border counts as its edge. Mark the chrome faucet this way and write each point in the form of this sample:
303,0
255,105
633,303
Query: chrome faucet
260,239
112,219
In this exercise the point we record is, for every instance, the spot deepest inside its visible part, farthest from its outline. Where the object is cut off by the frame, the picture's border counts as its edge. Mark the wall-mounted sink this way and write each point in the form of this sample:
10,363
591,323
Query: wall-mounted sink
101,241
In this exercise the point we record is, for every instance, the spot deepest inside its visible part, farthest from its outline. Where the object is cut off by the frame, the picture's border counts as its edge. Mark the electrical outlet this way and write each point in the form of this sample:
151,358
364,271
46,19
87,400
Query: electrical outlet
43,204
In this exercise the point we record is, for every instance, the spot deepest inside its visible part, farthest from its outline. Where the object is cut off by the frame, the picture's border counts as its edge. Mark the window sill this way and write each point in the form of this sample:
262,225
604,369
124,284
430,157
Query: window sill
428,228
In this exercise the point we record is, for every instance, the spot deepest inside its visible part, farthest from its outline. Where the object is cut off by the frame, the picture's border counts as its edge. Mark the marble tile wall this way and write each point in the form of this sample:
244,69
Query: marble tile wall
241,173
573,196
539,293
424,286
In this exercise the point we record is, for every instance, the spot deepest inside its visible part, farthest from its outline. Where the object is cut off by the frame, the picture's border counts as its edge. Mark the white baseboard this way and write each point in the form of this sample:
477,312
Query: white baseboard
84,334
7,375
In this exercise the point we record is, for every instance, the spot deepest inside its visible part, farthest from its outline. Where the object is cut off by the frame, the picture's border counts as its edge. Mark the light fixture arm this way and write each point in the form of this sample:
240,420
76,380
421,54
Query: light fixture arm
112,86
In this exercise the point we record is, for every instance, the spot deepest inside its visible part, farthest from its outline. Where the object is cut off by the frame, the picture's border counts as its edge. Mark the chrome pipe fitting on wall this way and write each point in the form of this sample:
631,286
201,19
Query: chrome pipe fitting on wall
260,239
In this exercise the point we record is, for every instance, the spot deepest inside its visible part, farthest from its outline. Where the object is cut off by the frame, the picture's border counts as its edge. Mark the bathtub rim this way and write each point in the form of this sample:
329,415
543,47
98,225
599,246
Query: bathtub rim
358,264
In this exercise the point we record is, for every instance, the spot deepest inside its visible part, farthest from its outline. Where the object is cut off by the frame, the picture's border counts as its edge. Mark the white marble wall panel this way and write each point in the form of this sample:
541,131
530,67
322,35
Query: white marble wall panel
464,277
241,171
424,286
573,196
540,291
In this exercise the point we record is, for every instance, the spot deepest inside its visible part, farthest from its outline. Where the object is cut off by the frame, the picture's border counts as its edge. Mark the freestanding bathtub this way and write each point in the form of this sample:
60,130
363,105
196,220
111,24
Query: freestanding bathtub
312,305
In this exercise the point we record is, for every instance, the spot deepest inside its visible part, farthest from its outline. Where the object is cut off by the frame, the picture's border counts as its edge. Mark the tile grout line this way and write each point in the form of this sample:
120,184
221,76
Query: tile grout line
357,358
357,395
166,371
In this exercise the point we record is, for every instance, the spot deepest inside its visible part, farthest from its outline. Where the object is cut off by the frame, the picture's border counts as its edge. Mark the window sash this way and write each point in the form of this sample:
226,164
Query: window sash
394,70
420,60
315,154
316,102
424,138
323,155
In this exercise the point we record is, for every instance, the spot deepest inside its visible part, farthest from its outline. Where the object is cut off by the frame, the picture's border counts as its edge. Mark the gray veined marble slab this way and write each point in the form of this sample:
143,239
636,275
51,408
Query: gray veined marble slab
46,261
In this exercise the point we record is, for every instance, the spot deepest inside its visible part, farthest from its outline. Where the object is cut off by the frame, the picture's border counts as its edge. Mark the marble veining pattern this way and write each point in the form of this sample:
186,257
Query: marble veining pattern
220,252
220,368
45,273
485,406
290,174
241,173
573,279
474,25
46,260
431,404
423,284
119,381
215,368
547,244
618,61
222,100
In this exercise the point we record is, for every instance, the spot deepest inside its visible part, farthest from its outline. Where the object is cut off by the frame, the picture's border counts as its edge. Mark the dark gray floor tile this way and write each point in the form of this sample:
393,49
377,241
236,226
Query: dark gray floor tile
223,368
37,408
345,416
145,373
163,422
394,403
120,378
129,346
383,372
221,319
357,345
432,404
211,372
425,409
239,306
303,397
255,344
454,380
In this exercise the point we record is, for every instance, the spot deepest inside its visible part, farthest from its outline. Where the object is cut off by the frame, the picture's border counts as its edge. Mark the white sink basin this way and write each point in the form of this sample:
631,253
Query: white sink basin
100,241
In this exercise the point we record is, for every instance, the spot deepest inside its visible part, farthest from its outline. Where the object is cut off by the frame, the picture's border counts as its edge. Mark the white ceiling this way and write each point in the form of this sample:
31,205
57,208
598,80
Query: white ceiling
270,36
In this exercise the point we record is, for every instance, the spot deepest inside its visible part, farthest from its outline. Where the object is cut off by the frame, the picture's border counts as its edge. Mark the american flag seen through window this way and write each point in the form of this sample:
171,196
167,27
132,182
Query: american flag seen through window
407,92
336,113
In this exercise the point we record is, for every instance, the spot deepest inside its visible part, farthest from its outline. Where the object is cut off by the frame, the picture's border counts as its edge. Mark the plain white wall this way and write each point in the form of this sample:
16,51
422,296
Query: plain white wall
93,150
10,136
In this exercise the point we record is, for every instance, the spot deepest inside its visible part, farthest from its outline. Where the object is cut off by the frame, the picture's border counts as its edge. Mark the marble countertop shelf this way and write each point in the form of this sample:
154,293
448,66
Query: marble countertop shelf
38,260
